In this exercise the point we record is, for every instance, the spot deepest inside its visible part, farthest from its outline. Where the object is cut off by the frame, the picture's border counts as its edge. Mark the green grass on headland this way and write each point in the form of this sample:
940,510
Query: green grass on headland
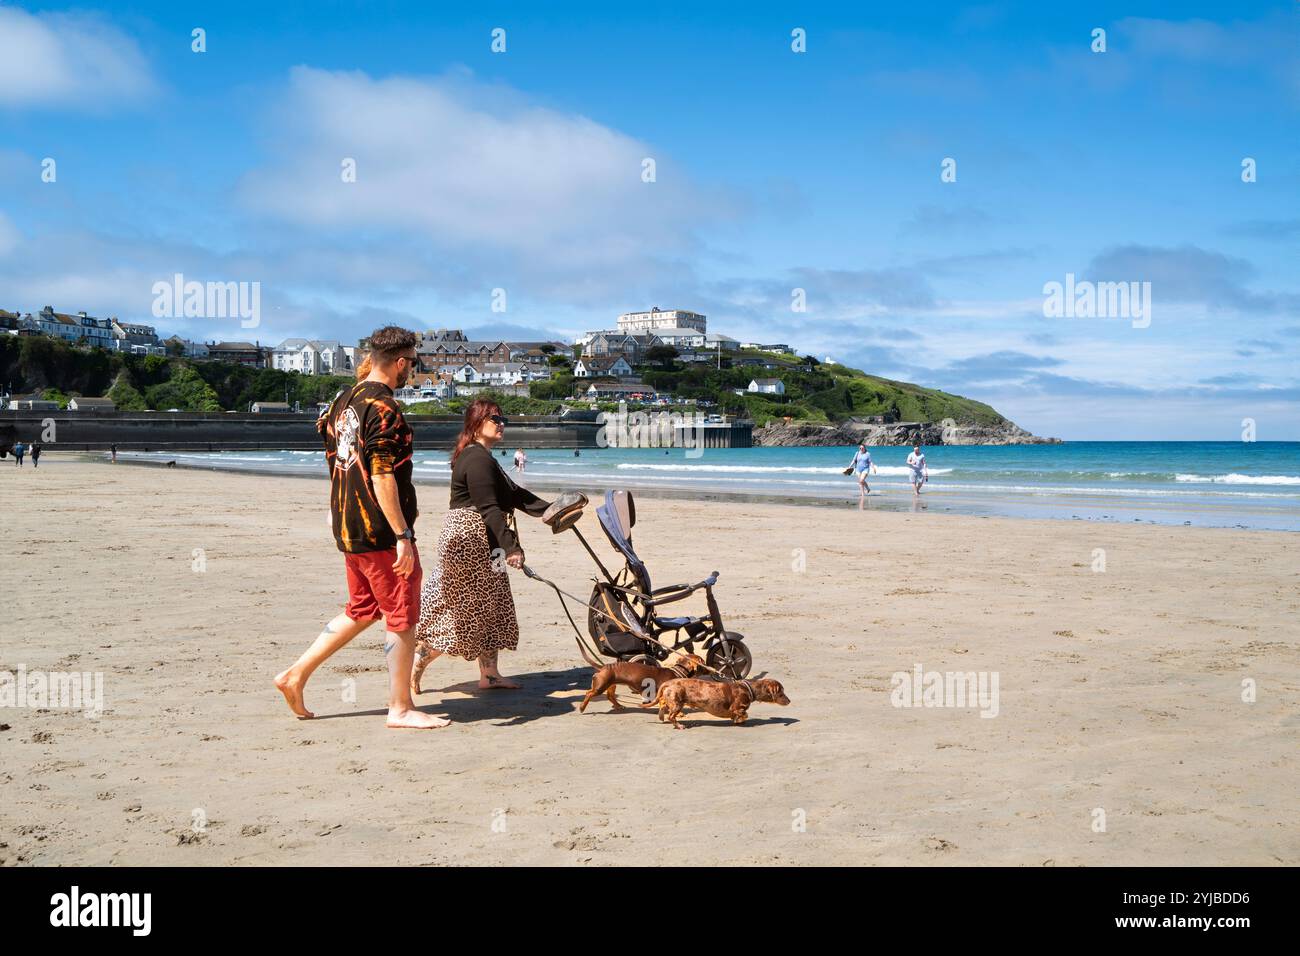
815,392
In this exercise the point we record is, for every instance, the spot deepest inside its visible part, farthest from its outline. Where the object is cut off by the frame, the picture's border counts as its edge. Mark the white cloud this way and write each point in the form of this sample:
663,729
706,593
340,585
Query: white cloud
61,59
477,171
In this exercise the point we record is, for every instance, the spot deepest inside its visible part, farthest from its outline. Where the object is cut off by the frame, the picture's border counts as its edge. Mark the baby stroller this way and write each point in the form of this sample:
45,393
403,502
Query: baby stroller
624,616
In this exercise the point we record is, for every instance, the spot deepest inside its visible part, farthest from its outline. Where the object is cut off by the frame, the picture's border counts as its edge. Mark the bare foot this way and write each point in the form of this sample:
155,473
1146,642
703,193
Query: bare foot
414,720
292,691
497,682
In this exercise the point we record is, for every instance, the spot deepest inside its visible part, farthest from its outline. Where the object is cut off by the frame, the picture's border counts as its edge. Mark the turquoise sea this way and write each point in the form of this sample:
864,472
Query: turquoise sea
1222,484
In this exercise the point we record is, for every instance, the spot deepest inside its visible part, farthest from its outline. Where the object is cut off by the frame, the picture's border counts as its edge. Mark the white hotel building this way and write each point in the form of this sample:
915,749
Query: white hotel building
629,323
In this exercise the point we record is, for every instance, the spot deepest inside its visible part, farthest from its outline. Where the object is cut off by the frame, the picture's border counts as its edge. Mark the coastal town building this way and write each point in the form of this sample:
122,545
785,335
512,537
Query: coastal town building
479,353
80,404
314,357
466,374
252,354
194,350
437,388
601,366
656,319
689,338
33,403
767,386
633,347
607,390
73,328
520,390
129,334
504,373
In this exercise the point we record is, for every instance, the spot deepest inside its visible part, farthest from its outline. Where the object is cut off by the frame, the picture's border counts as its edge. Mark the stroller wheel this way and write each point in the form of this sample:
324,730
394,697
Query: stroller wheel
643,659
731,658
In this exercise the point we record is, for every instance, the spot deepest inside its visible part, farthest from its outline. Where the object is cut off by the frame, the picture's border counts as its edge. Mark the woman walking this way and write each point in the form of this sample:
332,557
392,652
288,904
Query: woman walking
861,466
467,609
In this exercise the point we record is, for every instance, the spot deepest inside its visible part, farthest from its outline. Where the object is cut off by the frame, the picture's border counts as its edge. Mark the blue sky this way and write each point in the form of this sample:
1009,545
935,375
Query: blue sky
775,170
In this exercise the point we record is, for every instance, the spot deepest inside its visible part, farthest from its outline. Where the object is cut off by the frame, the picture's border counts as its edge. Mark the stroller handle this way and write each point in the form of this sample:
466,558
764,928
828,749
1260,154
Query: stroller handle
676,592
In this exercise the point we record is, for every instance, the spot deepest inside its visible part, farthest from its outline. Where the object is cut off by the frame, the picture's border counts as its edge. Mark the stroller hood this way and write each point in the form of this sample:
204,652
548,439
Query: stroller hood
617,516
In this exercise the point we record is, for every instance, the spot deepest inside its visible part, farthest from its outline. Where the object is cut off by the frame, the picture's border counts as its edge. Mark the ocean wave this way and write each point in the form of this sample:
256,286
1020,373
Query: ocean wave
1236,479
893,470
839,488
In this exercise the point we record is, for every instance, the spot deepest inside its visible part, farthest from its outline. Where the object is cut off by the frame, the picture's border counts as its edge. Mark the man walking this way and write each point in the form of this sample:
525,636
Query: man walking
368,448
36,455
920,472
19,450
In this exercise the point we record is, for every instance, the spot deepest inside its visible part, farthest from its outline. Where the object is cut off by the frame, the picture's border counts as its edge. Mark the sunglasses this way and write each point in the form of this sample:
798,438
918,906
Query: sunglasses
499,419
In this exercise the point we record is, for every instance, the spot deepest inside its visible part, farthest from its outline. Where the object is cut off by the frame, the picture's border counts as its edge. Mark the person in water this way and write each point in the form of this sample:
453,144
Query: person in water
920,473
862,466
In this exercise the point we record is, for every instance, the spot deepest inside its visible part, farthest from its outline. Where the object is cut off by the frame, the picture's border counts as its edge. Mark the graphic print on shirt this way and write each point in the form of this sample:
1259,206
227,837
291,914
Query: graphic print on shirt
348,431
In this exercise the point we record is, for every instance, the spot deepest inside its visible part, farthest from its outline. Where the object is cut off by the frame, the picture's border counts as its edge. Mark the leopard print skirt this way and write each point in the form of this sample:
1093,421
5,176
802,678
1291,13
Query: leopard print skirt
466,607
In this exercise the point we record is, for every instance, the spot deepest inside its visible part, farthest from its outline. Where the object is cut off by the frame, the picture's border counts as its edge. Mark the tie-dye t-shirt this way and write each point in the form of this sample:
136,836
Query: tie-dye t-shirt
365,435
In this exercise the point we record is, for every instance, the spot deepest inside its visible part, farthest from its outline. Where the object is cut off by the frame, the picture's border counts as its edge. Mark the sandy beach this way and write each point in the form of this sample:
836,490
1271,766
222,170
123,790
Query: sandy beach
1120,692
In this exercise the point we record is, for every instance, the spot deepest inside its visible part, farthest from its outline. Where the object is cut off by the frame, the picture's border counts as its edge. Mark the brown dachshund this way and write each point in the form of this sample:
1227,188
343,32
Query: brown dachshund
642,678
721,699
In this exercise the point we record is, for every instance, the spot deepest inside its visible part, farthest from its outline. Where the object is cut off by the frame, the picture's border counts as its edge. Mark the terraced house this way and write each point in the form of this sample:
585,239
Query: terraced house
314,357
73,328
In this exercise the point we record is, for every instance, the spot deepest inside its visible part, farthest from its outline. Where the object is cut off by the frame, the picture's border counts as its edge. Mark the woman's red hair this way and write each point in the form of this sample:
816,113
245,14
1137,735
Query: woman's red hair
479,411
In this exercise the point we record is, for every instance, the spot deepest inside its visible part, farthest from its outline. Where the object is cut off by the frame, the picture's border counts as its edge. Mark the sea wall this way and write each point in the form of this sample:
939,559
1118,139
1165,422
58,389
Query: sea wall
195,431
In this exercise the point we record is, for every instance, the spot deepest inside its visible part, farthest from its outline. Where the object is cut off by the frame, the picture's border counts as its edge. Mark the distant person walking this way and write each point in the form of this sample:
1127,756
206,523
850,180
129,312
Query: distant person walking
113,451
521,460
920,473
19,450
36,455
860,467
368,449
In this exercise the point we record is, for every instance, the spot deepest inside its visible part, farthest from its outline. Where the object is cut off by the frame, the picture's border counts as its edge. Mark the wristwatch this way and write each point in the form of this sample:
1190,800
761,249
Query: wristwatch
408,534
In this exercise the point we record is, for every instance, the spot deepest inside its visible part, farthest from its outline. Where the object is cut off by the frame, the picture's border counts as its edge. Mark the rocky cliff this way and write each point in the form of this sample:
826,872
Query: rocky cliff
852,432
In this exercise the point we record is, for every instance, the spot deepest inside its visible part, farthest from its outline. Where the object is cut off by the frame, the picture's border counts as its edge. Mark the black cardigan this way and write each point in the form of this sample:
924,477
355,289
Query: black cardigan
477,481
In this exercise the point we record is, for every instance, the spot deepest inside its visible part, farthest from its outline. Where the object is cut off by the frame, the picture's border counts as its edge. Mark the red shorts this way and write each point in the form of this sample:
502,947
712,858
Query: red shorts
375,589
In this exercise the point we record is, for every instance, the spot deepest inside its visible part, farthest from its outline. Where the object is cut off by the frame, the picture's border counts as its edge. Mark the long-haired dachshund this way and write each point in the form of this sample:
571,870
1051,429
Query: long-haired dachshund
729,699
645,679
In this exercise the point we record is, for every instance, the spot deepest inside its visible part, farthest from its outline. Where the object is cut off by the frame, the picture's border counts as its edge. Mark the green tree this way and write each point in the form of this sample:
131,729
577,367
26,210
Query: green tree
54,395
126,397
665,355
185,390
